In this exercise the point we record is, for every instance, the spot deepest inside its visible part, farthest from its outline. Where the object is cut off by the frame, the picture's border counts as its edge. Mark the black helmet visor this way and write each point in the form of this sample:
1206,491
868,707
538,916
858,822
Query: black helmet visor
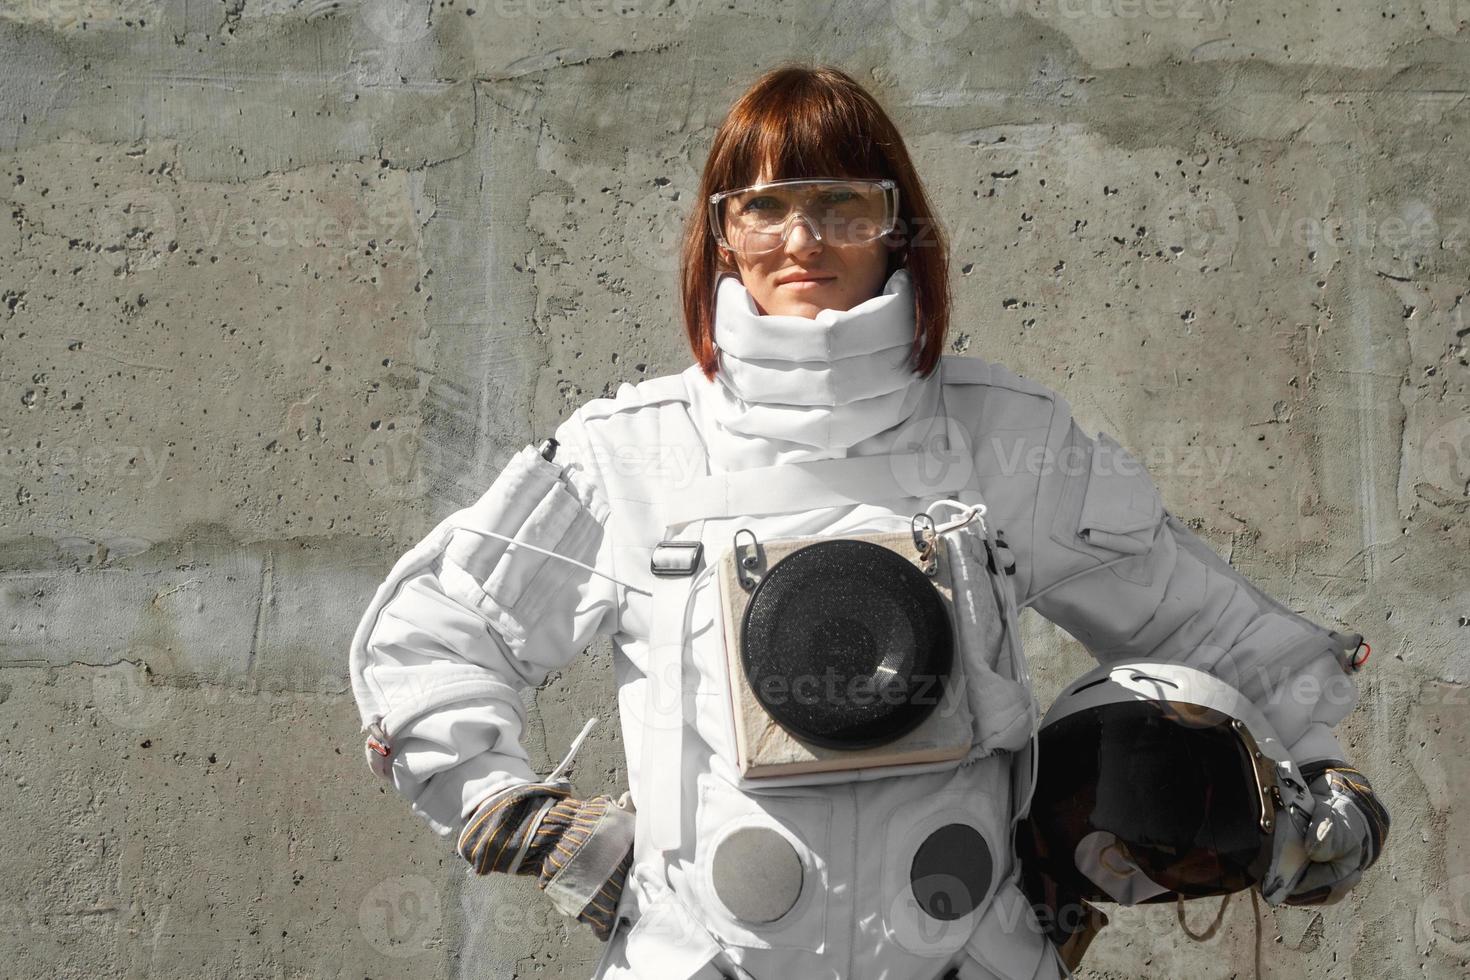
1173,783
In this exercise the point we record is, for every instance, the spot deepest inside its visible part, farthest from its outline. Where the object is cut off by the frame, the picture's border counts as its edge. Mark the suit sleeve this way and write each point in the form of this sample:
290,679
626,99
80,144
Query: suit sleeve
1111,565
465,622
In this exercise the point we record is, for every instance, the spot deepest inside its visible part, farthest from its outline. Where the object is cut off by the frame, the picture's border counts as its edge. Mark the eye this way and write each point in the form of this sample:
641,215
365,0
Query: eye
755,203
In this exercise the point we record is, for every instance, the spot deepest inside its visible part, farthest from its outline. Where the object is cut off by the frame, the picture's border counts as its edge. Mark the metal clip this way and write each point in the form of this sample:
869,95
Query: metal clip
748,563
924,540
1002,550
921,537
673,558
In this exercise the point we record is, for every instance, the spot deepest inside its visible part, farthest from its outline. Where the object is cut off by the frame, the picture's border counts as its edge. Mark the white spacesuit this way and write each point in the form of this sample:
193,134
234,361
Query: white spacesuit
812,428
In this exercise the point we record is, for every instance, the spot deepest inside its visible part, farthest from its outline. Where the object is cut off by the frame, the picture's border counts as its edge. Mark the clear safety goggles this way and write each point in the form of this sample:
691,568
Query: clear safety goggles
757,219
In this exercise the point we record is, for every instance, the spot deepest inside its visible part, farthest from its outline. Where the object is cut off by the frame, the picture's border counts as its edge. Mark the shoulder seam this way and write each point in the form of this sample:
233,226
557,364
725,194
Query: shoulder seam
653,391
997,376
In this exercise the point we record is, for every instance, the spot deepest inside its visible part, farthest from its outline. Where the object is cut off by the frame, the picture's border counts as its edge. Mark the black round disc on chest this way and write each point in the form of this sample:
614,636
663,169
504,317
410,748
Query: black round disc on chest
847,644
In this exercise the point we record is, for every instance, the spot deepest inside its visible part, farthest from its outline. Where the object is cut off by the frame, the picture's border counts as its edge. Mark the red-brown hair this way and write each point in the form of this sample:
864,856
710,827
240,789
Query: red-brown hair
797,121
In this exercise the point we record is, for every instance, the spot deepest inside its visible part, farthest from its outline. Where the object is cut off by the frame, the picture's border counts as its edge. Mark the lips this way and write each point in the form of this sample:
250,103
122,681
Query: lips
813,278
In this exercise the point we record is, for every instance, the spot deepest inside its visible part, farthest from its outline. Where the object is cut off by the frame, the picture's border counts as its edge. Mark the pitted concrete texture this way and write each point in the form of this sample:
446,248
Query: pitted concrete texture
284,284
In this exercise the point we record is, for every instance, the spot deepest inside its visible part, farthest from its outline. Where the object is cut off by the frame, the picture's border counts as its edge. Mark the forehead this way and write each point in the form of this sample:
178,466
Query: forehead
766,170
810,184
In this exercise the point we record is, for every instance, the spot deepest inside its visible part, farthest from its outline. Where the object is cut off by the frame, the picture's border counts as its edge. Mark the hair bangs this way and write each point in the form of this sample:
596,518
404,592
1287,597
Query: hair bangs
804,139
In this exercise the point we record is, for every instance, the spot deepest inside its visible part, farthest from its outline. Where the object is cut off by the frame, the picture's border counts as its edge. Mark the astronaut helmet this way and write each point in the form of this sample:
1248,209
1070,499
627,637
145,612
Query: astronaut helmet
1155,781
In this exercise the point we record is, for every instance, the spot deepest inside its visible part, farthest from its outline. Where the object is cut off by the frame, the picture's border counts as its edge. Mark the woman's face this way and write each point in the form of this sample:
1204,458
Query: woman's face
836,277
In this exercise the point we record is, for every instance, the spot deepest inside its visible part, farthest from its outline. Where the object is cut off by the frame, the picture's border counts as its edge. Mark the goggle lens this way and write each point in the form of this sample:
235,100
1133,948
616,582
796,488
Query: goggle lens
839,213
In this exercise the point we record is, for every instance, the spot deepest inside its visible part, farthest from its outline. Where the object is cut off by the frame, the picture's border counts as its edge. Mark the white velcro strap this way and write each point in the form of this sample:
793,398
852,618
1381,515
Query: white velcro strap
663,722
586,871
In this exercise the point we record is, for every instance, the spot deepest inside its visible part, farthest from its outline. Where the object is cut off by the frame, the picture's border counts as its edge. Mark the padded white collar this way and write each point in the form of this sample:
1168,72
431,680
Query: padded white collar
792,388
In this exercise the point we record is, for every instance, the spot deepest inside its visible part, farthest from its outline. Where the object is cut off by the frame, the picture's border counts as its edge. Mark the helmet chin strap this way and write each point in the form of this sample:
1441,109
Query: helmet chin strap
1219,916
1106,862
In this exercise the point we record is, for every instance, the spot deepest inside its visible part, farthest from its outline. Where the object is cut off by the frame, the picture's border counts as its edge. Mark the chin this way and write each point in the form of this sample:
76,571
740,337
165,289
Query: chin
808,310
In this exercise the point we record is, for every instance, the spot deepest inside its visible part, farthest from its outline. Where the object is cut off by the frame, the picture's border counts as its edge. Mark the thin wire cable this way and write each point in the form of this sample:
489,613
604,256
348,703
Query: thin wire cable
552,554
1219,915
1085,571
1010,612
1256,906
644,592
1213,927
1061,962
981,508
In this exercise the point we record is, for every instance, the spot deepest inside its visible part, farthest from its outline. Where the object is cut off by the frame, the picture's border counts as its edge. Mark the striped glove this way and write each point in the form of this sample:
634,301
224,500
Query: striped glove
579,850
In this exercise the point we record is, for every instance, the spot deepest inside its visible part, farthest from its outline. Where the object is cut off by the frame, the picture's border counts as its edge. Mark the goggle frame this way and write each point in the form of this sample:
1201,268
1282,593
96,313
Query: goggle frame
890,196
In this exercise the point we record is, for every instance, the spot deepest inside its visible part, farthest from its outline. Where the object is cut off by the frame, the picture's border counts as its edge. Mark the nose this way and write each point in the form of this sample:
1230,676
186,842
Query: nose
801,238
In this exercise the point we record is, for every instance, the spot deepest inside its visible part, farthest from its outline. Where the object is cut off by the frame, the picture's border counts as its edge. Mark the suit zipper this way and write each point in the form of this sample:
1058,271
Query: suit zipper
852,888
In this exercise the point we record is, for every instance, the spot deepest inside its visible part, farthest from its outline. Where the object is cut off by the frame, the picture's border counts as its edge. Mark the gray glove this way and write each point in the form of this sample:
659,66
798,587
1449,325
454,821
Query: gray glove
1344,836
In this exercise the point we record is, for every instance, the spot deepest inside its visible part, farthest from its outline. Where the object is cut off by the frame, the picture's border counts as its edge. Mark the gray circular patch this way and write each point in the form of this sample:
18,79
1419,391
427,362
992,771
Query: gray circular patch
757,874
951,871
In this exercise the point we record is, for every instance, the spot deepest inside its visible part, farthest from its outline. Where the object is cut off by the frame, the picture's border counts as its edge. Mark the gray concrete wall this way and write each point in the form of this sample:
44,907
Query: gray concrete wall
285,283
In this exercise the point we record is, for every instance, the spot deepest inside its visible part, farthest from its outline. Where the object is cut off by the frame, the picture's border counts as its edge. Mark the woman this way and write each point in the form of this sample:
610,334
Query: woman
819,406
